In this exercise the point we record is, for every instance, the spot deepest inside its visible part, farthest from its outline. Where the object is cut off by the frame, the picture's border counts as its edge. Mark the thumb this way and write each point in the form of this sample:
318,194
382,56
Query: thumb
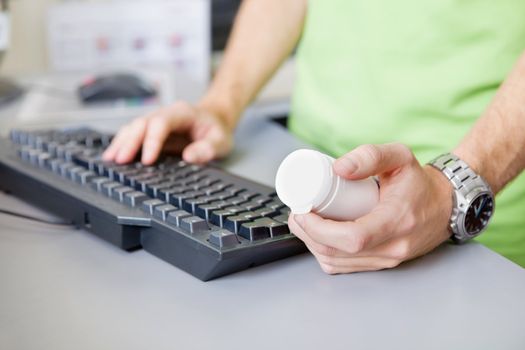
211,146
371,160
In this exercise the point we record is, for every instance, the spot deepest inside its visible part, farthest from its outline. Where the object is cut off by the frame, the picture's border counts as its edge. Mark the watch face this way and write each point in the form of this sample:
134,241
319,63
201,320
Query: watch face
478,214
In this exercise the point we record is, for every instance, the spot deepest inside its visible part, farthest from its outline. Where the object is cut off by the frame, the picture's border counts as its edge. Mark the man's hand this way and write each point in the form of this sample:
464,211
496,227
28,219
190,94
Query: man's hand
198,133
258,44
410,219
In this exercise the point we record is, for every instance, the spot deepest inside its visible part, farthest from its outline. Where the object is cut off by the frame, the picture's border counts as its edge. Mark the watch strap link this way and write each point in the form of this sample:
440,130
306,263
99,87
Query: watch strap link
457,171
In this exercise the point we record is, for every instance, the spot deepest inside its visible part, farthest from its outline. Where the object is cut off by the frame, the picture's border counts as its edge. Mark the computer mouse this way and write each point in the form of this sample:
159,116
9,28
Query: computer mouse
115,86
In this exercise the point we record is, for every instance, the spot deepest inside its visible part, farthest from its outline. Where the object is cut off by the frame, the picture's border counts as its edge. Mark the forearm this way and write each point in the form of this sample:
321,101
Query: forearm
495,146
264,34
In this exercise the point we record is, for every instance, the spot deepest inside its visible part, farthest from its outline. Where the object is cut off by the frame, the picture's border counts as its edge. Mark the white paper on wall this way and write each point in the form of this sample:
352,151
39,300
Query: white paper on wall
88,36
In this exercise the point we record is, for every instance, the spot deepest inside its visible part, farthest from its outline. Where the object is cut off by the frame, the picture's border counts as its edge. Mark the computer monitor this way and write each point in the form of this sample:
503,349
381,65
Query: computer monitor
223,15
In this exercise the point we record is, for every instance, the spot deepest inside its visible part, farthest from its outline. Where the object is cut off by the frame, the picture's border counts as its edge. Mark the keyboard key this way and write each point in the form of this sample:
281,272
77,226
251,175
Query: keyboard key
198,182
14,135
162,211
285,210
71,152
120,192
123,175
177,199
166,193
43,160
235,209
142,185
33,156
223,238
108,187
82,160
188,171
266,212
86,176
223,195
221,204
102,168
204,211
191,204
236,200
254,231
215,188
275,204
247,195
136,180
135,198
283,218
149,205
166,164
276,228
63,168
194,224
23,153
73,173
217,217
175,217
54,165
152,190
261,200
97,183
51,148
233,223
114,170
234,190
250,206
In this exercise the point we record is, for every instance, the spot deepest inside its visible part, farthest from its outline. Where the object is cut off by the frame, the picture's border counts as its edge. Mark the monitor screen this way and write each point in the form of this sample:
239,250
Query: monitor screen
223,14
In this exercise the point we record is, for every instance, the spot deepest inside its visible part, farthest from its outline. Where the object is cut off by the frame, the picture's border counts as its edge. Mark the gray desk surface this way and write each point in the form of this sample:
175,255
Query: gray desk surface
67,289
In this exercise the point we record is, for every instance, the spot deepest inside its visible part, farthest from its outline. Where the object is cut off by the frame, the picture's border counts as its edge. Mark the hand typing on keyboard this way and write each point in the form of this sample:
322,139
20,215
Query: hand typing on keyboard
198,217
200,134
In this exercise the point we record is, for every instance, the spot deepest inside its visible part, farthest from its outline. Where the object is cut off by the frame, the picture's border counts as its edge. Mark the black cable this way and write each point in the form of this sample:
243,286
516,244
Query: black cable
33,218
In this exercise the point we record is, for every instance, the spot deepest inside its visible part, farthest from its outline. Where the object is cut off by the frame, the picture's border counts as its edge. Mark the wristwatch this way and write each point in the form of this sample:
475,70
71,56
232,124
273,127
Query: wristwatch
473,205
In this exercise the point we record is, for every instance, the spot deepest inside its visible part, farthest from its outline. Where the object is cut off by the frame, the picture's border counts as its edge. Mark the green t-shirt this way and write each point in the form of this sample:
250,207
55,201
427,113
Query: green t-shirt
418,72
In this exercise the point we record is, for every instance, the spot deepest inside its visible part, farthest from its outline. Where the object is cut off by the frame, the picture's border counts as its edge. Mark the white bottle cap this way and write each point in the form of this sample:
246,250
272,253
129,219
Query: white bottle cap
304,180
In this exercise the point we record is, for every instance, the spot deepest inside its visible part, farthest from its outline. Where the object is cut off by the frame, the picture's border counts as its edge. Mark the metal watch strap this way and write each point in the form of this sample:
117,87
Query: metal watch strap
464,181
457,171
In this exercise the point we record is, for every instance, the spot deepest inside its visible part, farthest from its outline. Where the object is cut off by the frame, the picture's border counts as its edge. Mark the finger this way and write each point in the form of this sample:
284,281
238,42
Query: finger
397,249
201,151
132,139
370,160
350,236
313,246
112,150
159,128
351,265
121,138
214,144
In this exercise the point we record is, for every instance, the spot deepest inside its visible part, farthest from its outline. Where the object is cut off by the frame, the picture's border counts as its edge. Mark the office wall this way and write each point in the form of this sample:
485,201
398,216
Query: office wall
28,52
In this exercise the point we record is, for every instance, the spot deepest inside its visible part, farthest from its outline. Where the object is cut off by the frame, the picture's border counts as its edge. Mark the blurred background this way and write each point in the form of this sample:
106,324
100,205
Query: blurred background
53,51
29,50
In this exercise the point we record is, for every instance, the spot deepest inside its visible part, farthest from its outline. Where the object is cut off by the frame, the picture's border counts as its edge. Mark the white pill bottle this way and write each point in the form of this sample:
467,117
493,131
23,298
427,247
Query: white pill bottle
306,182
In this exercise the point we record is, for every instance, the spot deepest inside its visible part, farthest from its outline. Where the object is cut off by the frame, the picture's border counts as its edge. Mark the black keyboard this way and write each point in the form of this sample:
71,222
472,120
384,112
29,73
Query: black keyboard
202,219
